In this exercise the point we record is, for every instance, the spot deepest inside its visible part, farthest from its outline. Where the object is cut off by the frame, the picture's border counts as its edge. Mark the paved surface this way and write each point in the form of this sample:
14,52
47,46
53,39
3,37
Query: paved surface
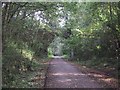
62,74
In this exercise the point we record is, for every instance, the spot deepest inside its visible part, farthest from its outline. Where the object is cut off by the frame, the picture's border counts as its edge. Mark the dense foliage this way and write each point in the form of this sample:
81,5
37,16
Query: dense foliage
88,32
95,34
25,37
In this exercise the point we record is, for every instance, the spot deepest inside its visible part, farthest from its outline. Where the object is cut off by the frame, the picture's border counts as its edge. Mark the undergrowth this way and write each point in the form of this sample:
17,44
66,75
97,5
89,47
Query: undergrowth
21,72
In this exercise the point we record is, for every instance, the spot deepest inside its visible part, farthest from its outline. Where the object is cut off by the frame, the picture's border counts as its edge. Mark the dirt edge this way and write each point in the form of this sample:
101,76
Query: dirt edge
112,84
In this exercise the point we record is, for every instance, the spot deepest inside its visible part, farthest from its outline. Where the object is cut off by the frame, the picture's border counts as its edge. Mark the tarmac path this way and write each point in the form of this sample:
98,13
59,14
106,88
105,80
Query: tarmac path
62,74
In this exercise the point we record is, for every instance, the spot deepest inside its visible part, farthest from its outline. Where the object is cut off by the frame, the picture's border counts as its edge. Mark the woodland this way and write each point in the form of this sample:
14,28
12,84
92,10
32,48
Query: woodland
87,33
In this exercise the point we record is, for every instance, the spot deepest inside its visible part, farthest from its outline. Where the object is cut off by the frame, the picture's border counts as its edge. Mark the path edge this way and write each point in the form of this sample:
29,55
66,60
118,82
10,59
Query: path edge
46,75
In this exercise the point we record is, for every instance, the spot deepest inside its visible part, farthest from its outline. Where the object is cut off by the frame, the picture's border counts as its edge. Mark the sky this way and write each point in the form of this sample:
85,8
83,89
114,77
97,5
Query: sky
60,20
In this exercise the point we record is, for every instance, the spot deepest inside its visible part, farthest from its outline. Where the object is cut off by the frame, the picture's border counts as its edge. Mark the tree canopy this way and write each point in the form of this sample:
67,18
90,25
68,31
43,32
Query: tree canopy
86,31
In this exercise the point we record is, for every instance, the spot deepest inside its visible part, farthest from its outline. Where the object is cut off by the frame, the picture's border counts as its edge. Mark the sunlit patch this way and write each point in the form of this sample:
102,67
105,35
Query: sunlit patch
107,80
65,80
65,74
84,66
27,54
89,74
95,75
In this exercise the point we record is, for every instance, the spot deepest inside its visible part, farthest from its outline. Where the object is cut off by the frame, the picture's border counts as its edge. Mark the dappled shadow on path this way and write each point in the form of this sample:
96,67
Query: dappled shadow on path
112,82
99,76
62,74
